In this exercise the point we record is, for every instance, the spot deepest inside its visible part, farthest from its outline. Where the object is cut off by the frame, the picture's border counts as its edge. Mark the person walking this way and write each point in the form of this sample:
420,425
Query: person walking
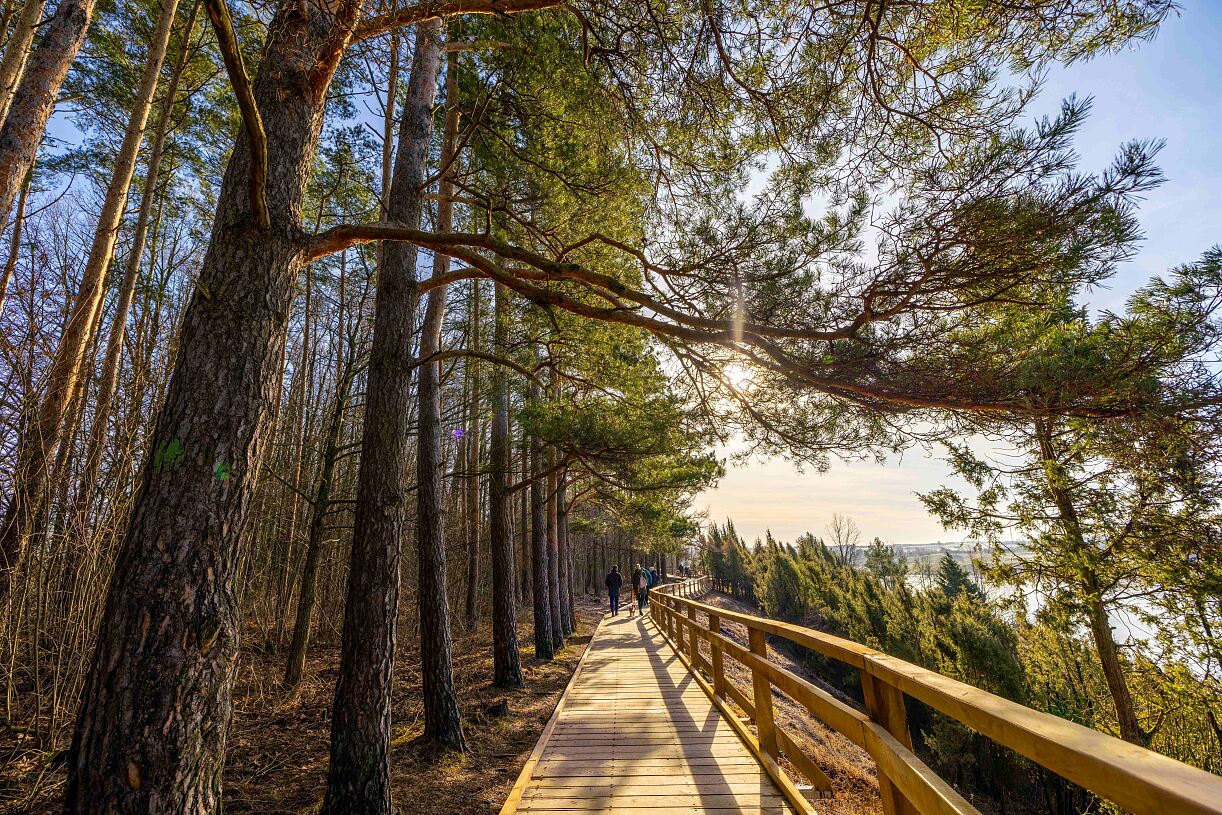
614,582
654,580
640,586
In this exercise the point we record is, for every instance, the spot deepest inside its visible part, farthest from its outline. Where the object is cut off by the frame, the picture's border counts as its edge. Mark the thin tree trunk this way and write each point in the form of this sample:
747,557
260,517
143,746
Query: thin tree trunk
1100,626
295,664
506,661
566,565
473,448
17,50
37,448
553,560
10,265
131,273
358,779
155,710
442,721
1113,672
544,648
524,502
35,93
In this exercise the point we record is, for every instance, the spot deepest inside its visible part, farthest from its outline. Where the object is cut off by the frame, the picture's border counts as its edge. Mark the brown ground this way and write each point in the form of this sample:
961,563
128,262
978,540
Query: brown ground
850,768
276,759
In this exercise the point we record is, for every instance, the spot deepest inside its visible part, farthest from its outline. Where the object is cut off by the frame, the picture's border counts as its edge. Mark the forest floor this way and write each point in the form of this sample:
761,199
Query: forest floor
276,757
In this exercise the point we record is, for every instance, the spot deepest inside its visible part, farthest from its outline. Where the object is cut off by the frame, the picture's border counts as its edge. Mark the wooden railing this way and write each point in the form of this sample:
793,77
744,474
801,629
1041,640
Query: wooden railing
1138,780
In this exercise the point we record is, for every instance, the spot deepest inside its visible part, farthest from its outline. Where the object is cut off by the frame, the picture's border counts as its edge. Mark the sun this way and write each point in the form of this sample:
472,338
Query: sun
738,377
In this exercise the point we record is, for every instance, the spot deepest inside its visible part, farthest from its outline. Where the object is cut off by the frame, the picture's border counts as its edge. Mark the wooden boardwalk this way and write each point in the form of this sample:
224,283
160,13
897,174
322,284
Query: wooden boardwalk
634,733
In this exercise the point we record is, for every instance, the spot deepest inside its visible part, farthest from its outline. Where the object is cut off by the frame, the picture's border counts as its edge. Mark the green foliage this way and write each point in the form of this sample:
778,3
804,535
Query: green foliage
1035,659
953,580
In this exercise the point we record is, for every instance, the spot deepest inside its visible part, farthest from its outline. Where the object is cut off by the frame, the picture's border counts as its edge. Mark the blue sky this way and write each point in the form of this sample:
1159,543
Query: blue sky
1169,89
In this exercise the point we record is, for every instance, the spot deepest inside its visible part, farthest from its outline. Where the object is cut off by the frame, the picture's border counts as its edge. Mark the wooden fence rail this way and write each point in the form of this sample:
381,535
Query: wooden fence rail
1138,780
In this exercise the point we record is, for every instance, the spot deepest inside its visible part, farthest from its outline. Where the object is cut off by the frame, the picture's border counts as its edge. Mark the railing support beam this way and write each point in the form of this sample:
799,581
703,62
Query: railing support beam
719,674
764,723
885,705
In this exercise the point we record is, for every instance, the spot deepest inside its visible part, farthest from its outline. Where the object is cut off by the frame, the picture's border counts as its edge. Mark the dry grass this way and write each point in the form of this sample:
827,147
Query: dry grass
276,759
850,768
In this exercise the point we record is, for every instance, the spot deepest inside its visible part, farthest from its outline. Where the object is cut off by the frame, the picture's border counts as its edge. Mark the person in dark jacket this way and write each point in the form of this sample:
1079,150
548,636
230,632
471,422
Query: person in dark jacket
640,585
614,582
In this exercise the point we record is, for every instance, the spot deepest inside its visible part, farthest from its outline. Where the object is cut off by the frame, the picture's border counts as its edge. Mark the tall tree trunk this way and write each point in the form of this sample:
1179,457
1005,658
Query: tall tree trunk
442,721
527,569
358,778
1097,616
566,564
131,273
295,664
553,559
544,648
473,449
34,97
155,711
506,661
37,448
14,254
16,50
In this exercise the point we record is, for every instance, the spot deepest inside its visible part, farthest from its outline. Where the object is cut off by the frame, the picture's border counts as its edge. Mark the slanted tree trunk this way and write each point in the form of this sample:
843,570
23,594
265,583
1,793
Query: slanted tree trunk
442,721
1096,612
14,254
506,661
155,711
131,273
358,778
35,94
38,446
1113,671
544,648
17,50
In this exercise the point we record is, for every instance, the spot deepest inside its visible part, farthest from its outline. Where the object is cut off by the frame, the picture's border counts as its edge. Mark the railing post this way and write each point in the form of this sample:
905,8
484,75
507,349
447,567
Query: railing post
695,638
719,676
885,705
763,695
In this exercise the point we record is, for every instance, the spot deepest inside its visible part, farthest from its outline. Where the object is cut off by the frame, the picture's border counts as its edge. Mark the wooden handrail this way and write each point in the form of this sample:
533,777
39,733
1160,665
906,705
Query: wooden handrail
1139,780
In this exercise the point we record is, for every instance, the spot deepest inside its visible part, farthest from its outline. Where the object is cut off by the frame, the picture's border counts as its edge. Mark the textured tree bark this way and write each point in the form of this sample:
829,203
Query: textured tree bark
10,264
17,50
527,572
155,712
1113,672
131,273
358,778
506,661
553,560
566,565
475,431
544,648
442,721
34,97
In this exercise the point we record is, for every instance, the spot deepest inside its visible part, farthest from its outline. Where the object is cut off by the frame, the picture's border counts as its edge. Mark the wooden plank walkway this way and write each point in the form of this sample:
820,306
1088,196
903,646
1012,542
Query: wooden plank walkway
634,732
